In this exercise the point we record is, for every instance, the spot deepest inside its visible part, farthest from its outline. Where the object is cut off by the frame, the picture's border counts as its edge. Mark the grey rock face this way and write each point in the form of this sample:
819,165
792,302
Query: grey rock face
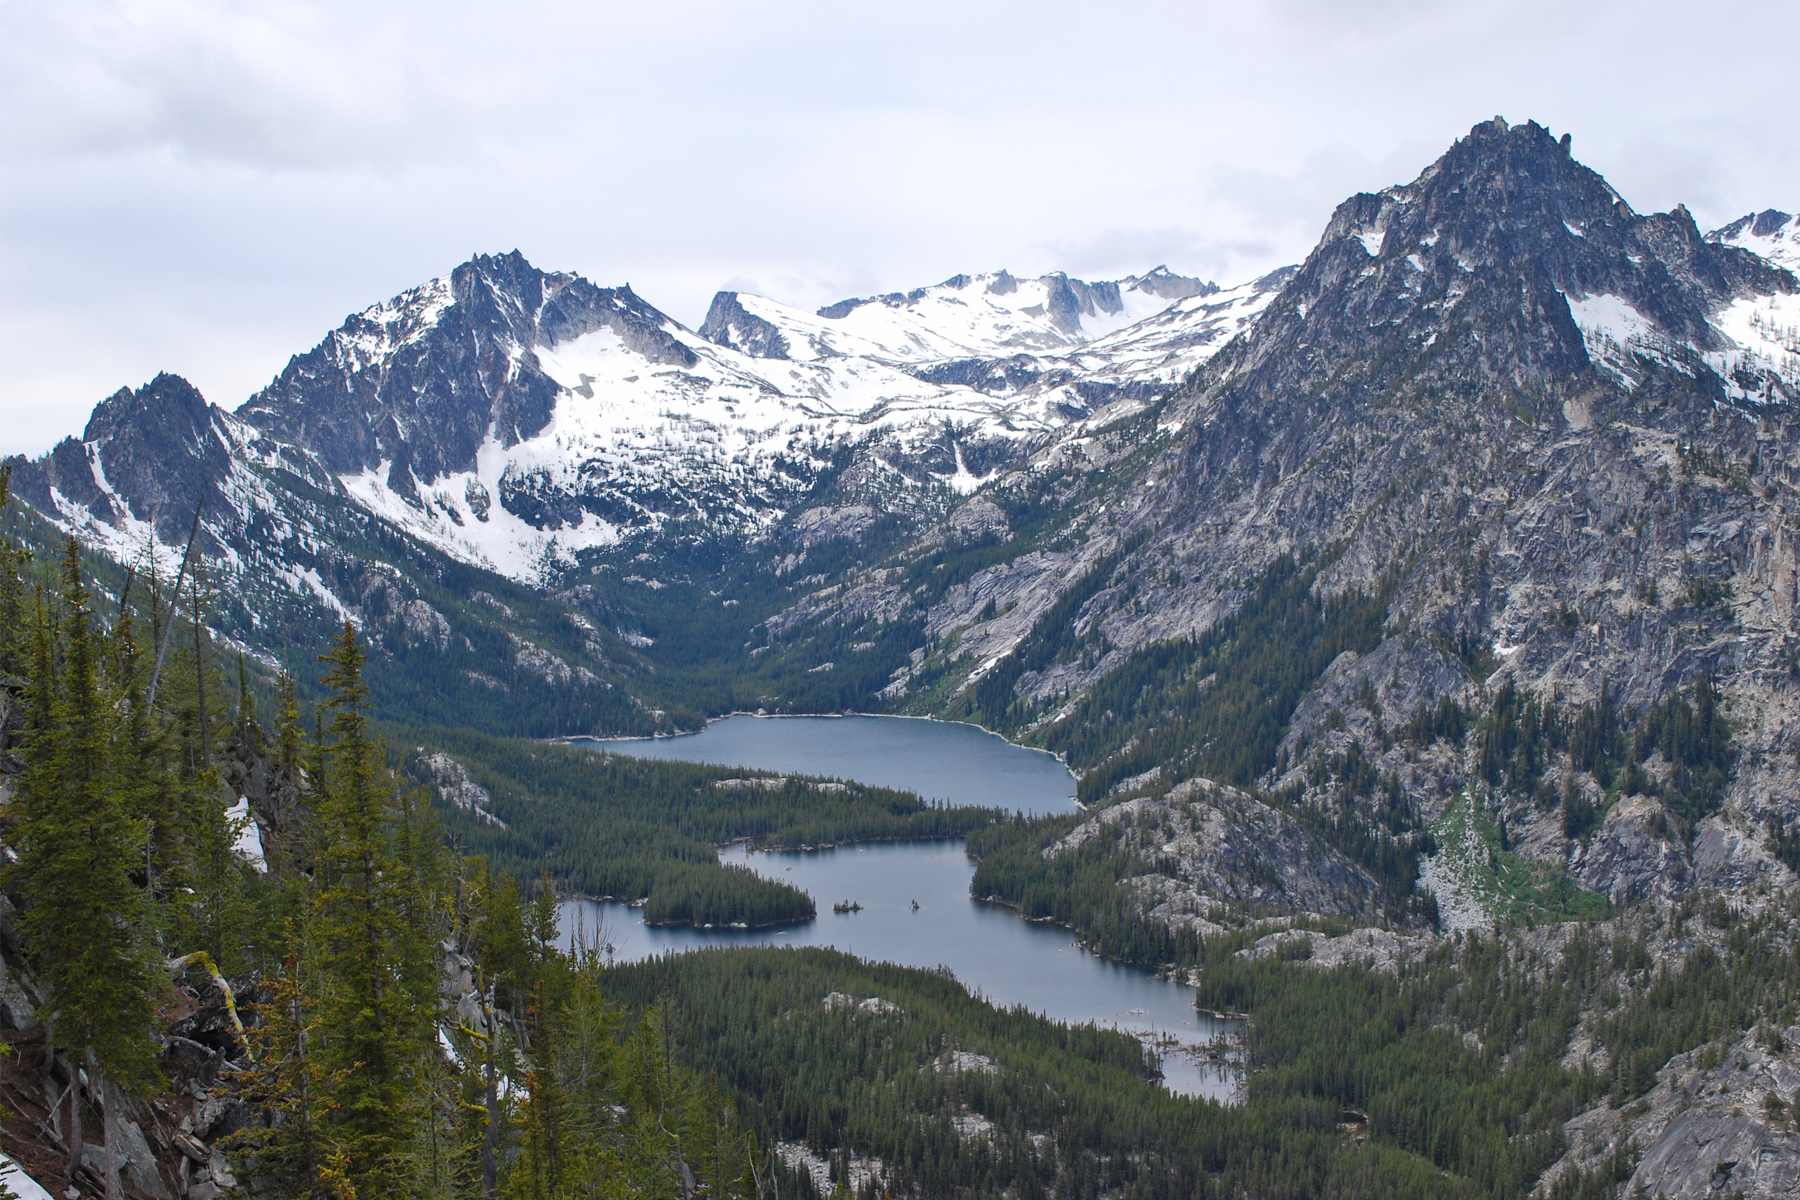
454,786
151,452
420,381
1212,844
1421,403
728,324
1708,1127
1376,949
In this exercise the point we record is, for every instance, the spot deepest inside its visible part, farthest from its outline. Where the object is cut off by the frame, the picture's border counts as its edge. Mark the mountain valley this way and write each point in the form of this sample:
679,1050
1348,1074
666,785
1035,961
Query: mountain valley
1419,621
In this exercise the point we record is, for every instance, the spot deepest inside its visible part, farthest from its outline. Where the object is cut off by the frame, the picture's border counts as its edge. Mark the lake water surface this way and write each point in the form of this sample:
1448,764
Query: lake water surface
940,760
992,950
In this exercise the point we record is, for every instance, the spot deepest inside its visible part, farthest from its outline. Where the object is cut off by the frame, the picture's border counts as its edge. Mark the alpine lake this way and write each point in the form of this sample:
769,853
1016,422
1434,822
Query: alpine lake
915,906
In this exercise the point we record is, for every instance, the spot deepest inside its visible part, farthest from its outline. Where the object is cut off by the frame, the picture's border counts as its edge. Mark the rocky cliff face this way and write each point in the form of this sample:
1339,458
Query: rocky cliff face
421,382
1555,435
1296,574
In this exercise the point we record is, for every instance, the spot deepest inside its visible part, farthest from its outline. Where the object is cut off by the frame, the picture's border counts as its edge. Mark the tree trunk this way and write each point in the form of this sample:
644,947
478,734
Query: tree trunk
74,1136
109,1129
490,1137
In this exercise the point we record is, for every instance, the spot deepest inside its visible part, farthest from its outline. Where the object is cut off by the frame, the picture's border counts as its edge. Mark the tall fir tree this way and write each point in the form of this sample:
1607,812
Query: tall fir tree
373,966
14,602
86,922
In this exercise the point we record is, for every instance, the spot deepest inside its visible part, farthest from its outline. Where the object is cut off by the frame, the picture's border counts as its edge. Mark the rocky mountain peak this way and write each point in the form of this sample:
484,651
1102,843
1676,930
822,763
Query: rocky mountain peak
965,317
147,453
1771,233
1506,264
414,387
1160,281
728,323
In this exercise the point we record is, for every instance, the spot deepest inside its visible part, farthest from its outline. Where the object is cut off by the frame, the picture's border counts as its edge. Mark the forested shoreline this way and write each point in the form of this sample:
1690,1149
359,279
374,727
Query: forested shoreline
609,826
384,1006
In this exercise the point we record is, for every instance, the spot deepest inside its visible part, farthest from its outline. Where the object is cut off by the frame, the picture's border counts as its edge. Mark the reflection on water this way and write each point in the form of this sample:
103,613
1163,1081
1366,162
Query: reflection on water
993,951
940,760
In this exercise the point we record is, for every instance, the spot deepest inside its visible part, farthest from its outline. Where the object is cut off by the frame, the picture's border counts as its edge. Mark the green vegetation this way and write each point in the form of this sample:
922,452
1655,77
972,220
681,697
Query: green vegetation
126,879
957,1098
88,930
1456,1060
1521,735
1712,994
1488,1110
1507,885
608,825
1078,888
1218,706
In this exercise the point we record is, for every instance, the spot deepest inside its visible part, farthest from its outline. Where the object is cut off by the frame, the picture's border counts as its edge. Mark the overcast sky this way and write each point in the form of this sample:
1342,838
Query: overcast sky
207,187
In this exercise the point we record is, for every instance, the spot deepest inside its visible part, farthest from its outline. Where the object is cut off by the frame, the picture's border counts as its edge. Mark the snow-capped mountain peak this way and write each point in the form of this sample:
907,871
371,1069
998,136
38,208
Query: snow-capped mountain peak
1773,234
966,316
515,417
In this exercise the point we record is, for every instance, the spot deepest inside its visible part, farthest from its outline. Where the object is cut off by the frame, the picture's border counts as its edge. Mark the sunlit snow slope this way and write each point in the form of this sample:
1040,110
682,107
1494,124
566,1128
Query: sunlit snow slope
515,418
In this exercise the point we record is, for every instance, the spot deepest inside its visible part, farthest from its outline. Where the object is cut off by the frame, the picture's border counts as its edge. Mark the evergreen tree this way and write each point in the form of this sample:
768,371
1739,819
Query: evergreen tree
14,614
373,965
288,1084
86,921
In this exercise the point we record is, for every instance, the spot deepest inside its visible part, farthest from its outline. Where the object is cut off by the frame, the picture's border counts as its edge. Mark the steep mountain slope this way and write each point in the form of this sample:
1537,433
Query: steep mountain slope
517,418
1548,438
286,554
528,425
1497,429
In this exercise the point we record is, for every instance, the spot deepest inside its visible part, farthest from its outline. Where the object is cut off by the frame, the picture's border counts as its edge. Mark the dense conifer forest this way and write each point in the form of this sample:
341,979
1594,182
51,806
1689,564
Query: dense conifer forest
377,1015
608,825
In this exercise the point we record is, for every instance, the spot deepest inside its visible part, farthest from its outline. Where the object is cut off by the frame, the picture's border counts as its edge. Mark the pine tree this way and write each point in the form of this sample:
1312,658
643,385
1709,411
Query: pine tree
204,870
375,985
288,1084
14,614
86,922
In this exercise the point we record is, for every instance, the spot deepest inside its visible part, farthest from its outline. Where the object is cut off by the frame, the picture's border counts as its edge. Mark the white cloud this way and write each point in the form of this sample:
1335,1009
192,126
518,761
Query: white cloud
206,187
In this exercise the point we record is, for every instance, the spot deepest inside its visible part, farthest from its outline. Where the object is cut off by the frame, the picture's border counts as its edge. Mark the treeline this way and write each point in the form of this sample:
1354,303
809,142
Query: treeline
1455,1059
1218,706
609,825
956,1098
1391,1047
134,902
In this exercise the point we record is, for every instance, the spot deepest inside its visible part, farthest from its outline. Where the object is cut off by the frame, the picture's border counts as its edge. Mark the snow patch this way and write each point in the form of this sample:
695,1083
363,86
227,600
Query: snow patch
1614,333
1764,332
13,1176
246,835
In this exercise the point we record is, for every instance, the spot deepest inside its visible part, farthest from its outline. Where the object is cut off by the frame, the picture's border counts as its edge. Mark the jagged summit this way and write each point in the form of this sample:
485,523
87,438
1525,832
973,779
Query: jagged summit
966,316
424,380
1773,234
1508,264
146,458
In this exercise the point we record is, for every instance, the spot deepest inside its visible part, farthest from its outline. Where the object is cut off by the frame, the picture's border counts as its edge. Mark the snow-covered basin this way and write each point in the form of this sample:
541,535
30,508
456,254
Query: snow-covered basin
994,952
